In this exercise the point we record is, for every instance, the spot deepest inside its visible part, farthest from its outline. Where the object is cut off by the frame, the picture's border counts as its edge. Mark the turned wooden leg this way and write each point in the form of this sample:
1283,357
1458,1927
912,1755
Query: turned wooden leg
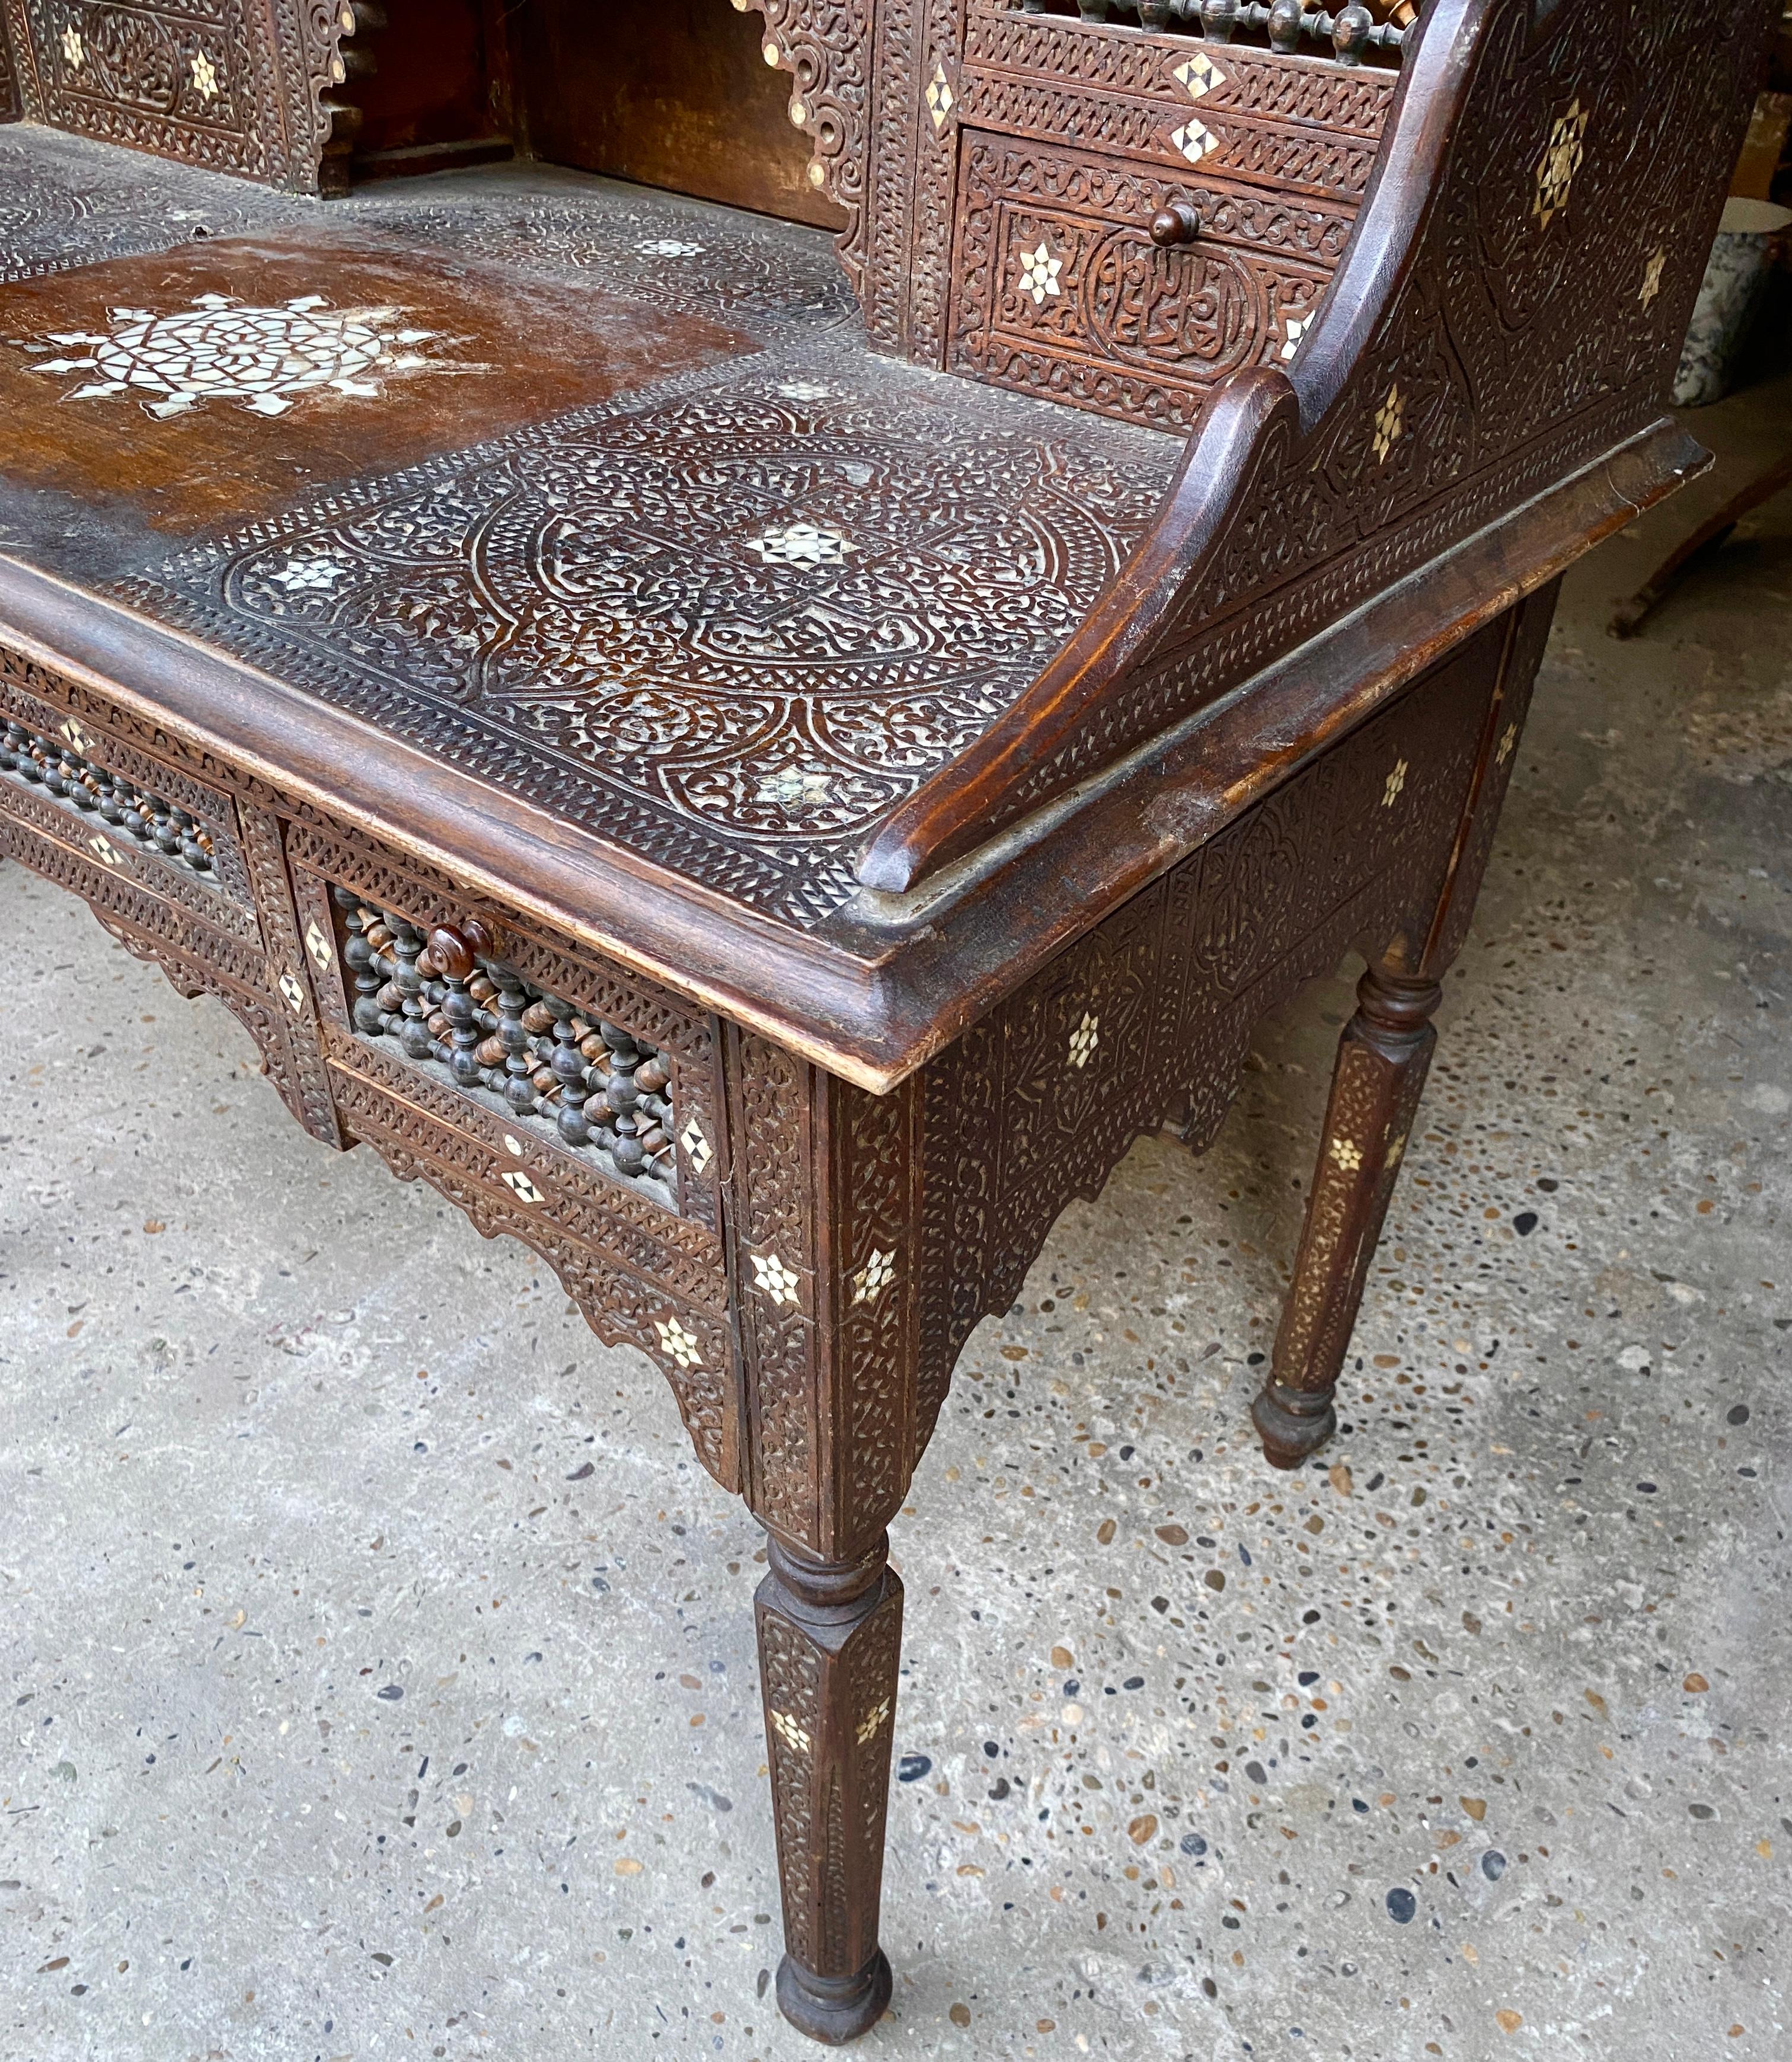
1382,1061
830,1641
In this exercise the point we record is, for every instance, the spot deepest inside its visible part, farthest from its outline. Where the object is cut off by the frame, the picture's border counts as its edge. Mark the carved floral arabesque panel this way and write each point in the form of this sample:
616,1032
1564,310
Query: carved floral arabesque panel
64,202
689,256
225,84
728,627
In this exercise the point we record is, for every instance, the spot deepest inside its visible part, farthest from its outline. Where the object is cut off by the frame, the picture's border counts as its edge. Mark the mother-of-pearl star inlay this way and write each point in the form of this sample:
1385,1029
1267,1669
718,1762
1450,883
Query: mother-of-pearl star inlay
219,350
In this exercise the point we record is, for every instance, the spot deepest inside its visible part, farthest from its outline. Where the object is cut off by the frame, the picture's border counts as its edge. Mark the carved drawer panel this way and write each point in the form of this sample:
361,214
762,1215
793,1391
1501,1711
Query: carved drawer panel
177,853
550,1095
154,829
1074,139
1290,124
1061,290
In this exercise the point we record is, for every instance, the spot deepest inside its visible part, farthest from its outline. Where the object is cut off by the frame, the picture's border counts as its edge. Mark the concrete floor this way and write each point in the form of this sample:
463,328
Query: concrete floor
350,1716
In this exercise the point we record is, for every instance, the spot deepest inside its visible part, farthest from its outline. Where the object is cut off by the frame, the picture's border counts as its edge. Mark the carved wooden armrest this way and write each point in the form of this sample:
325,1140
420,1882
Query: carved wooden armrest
1512,301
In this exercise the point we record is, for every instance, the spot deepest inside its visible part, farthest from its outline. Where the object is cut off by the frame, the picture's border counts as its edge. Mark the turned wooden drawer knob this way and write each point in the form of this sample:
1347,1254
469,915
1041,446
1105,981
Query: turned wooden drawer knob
453,952
1177,223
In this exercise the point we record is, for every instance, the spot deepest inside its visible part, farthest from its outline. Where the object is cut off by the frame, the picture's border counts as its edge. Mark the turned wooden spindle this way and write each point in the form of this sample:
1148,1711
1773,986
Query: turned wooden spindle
456,962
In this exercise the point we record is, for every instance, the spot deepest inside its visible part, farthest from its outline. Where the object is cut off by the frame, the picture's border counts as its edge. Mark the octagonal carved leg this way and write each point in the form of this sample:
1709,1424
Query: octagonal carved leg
1383,1058
830,1641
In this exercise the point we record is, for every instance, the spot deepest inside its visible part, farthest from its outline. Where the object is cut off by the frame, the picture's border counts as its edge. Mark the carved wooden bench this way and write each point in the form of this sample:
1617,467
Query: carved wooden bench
761,781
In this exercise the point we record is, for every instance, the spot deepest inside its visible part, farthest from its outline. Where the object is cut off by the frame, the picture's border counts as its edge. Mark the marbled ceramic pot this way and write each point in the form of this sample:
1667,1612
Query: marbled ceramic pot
1730,299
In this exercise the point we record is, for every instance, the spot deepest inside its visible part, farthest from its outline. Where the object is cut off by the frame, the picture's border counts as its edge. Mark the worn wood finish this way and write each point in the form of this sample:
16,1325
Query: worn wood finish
740,790
695,108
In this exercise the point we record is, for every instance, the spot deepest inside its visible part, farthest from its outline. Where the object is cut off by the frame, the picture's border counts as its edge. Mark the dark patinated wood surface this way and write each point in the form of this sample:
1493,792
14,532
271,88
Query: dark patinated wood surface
696,109
760,777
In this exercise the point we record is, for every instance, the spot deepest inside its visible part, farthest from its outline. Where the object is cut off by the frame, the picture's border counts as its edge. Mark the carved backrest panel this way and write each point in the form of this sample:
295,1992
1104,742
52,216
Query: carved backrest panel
1001,171
234,85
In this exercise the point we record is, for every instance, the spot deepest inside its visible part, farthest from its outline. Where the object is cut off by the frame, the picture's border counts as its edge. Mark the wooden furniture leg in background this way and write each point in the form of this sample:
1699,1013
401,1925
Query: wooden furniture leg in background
829,1645
1383,1059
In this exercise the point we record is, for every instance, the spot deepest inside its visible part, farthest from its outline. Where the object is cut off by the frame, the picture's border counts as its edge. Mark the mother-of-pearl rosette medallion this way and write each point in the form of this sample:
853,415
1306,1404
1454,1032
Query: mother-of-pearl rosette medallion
265,359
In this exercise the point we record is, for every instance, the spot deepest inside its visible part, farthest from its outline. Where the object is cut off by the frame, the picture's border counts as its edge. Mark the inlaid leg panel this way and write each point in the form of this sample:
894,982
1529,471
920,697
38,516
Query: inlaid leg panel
1383,1059
829,1643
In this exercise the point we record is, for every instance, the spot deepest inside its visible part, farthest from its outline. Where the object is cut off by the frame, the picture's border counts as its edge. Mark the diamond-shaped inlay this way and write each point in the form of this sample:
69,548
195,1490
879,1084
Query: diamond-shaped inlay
521,1186
1390,422
680,1344
1391,1157
940,98
1297,326
770,1273
104,851
293,988
1199,74
696,1145
789,1731
874,1277
76,736
1084,1040
1194,139
801,544
1508,737
1652,278
1561,159
872,1724
1348,1156
795,786
1396,781
317,946
1038,274
298,573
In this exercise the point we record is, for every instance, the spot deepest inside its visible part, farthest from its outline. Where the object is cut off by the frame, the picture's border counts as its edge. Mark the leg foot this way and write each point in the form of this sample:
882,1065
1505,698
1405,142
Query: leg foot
1382,1060
829,1643
1292,1422
834,2009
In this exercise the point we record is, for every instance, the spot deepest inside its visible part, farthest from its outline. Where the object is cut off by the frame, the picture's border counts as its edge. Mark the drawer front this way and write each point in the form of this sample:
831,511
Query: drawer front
1071,137
154,829
178,855
1291,125
549,1094
1061,291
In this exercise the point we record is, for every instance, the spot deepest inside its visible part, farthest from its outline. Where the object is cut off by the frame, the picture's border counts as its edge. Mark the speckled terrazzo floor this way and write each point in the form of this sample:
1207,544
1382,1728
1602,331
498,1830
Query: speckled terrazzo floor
378,1665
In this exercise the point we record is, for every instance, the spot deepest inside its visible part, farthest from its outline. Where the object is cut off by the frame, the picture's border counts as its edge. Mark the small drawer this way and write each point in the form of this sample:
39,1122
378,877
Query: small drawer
1072,138
546,1092
1061,289
157,854
581,1083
